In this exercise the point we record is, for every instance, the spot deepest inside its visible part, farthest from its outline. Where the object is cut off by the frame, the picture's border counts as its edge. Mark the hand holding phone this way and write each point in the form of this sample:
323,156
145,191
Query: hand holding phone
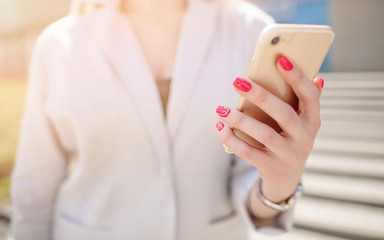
305,45
280,107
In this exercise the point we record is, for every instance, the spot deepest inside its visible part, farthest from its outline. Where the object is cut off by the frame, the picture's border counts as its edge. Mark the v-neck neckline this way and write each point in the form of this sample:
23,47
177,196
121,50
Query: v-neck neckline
141,49
113,35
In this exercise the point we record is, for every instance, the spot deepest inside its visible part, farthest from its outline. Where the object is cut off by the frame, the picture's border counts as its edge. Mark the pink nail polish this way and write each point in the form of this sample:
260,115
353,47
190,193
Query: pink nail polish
321,82
219,126
285,63
223,111
242,84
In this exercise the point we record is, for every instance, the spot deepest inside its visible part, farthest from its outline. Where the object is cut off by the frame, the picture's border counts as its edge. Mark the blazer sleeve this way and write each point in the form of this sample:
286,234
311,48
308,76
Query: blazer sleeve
40,164
244,176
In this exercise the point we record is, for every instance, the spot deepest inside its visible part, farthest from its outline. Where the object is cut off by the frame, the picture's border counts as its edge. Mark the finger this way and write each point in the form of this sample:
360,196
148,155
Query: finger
280,111
254,128
253,155
319,83
305,90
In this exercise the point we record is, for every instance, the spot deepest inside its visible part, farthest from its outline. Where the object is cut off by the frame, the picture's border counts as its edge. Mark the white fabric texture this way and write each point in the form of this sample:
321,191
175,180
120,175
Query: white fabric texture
93,104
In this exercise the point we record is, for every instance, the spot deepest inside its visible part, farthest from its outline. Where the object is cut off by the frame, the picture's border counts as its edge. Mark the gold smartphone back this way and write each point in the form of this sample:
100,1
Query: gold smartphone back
305,45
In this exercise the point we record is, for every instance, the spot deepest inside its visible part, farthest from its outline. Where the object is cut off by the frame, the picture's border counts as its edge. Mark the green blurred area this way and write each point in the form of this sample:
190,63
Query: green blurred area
12,96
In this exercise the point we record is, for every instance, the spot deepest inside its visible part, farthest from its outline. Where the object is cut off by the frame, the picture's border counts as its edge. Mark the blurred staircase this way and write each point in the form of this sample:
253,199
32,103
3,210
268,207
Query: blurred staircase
344,181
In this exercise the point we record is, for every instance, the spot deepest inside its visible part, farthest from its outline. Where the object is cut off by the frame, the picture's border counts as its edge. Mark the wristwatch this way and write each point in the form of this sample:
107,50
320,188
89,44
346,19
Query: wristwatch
282,206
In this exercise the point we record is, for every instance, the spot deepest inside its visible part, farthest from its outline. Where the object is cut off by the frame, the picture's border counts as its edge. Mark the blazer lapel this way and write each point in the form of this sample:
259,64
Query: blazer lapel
114,36
194,42
117,42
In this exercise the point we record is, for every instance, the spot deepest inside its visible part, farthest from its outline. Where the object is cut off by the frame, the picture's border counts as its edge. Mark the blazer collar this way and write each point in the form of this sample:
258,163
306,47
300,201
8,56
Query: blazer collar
115,38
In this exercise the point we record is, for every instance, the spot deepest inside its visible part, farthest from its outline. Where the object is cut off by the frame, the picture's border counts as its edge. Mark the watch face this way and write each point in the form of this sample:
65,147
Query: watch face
299,189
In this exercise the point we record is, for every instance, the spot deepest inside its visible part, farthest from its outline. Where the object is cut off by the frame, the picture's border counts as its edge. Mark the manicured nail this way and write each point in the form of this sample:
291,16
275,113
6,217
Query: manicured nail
219,126
321,82
285,63
242,84
223,111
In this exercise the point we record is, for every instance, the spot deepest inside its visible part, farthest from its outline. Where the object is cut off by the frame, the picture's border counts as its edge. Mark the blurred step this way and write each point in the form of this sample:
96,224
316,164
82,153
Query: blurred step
351,115
353,221
344,188
296,234
342,129
351,80
356,84
360,107
347,102
344,178
336,93
359,146
346,165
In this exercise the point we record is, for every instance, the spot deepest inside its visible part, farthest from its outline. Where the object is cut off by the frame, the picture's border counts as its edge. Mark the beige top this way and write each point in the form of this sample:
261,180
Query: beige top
164,86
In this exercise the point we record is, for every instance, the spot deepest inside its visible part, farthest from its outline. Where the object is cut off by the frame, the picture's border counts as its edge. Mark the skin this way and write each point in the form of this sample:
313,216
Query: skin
281,164
157,25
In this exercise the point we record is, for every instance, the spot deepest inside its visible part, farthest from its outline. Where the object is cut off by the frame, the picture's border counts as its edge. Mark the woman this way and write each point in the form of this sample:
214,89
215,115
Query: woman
118,138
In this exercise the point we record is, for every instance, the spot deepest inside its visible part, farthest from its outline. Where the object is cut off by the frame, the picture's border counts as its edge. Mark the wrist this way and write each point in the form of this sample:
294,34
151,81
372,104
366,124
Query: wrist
279,192
279,205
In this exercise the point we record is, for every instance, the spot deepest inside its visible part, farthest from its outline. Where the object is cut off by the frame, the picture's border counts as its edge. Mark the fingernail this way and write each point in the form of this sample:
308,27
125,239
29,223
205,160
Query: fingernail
223,111
285,63
219,126
321,82
226,149
242,84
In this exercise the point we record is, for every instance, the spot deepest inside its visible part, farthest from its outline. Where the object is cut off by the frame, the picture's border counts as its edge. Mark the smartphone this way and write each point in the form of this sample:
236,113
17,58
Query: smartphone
305,45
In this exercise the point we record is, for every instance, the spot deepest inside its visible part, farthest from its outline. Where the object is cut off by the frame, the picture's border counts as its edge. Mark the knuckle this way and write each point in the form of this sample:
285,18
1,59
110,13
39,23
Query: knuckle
244,151
289,116
238,120
298,77
260,96
312,94
225,137
268,135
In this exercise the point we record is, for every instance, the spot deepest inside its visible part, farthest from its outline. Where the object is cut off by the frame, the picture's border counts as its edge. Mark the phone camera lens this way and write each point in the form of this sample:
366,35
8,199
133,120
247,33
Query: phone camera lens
275,40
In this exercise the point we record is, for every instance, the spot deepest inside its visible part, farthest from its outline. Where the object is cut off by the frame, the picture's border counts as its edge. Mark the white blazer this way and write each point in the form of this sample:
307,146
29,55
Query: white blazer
93,104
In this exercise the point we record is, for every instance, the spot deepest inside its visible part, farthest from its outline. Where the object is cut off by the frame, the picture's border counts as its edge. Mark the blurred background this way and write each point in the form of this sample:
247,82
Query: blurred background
344,180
